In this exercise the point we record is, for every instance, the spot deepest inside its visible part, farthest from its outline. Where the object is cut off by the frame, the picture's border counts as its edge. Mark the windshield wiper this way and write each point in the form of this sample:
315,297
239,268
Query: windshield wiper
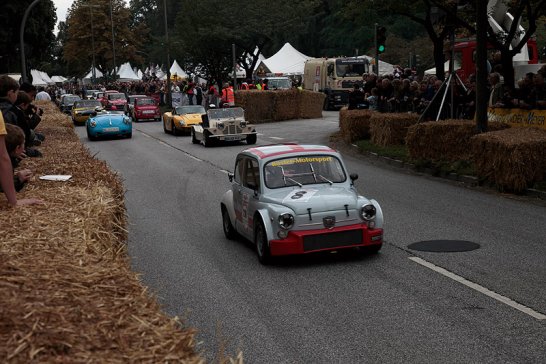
325,179
292,180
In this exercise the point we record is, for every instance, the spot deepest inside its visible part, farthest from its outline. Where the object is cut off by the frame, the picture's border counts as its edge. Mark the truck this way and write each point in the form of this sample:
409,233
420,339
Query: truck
335,77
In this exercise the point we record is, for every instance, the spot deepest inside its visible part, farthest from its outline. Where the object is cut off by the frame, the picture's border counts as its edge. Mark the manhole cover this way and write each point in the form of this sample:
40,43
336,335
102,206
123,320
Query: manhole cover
444,246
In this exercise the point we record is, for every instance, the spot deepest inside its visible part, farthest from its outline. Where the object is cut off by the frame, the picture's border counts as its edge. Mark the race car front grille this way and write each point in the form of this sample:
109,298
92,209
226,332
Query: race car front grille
332,240
233,129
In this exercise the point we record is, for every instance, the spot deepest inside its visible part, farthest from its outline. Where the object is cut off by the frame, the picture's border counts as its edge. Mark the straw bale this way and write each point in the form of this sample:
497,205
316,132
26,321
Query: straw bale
445,140
354,124
513,159
286,104
311,104
257,105
391,128
67,290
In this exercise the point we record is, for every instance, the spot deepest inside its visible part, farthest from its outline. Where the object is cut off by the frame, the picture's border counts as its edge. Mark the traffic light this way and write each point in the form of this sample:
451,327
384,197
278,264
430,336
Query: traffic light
380,38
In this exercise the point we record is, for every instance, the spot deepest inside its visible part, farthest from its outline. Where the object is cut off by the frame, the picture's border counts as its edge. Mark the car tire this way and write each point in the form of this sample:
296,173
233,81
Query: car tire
207,141
173,129
262,246
251,139
229,231
374,249
194,139
130,135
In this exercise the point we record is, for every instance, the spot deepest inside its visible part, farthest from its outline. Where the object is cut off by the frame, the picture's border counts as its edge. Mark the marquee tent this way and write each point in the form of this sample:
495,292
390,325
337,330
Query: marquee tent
98,73
177,71
40,78
384,67
126,73
58,79
287,61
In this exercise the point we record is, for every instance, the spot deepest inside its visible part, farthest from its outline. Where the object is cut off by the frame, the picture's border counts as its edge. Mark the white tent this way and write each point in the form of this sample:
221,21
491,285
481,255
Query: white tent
177,70
59,79
37,79
126,73
287,61
46,78
140,74
432,71
98,73
384,67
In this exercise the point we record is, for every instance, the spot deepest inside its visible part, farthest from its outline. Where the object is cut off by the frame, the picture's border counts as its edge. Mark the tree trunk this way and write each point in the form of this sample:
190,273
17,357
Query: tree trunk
508,68
438,44
482,92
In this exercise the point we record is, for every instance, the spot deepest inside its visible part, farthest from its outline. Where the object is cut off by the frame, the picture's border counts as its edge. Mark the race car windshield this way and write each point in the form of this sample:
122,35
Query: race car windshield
303,170
195,109
226,113
146,102
87,103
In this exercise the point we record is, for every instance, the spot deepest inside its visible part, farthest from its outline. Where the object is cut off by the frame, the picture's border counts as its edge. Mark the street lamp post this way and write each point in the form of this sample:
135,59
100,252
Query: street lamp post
93,69
22,41
169,103
113,40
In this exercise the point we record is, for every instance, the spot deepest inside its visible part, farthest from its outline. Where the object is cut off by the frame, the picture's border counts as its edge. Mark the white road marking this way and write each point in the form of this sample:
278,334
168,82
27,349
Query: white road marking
194,158
483,290
224,171
276,138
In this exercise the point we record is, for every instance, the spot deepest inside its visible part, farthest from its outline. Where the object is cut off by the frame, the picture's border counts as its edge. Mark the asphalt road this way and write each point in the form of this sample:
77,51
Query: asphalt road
401,306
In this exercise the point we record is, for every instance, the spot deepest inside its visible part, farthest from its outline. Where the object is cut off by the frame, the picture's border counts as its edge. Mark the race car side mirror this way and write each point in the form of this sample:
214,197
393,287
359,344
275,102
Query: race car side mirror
353,177
230,176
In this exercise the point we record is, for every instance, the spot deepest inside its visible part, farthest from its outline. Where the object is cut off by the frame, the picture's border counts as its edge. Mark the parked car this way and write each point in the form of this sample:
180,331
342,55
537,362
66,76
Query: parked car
108,123
223,125
130,101
116,101
82,109
181,119
298,199
145,109
67,101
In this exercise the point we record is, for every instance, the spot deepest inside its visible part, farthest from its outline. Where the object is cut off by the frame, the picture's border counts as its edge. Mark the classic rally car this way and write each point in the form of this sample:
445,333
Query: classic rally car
145,109
223,124
108,123
82,109
298,199
182,118
67,101
116,101
130,103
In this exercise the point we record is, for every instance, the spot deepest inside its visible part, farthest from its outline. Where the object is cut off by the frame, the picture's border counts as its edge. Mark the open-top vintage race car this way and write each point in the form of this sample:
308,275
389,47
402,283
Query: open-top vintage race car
223,125
182,118
298,199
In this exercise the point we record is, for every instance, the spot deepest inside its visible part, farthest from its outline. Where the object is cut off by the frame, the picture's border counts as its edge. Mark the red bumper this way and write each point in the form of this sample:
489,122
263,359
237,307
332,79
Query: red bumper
308,241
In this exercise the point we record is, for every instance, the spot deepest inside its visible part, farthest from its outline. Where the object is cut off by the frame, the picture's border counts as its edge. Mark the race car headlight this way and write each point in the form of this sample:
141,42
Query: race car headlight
220,125
93,123
286,221
126,120
243,124
367,212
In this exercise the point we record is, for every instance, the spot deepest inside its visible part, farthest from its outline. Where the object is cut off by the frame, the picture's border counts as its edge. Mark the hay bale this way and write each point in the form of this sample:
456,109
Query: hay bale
513,159
311,104
391,128
445,140
68,293
257,105
355,124
286,104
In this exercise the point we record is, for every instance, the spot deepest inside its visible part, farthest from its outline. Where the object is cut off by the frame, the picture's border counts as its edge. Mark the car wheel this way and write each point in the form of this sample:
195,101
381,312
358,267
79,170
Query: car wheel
194,139
262,246
374,249
173,129
229,231
130,135
207,142
251,139
164,126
